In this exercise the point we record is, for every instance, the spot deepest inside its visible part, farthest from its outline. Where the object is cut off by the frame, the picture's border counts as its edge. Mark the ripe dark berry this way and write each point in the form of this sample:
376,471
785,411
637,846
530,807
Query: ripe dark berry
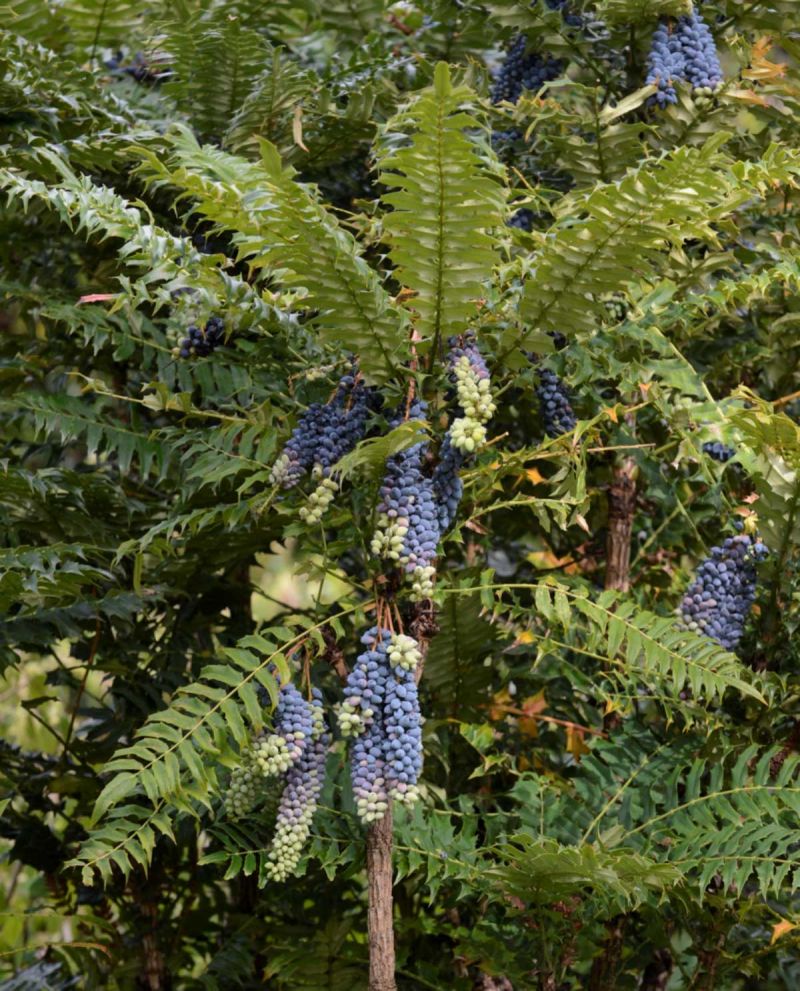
522,220
684,51
325,433
407,530
719,600
201,343
718,451
381,713
523,70
298,802
447,483
556,410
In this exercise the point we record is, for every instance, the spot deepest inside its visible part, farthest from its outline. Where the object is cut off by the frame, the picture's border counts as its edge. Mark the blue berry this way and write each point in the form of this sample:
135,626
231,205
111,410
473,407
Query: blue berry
201,343
573,20
522,220
556,410
299,799
718,451
719,600
381,713
522,70
686,51
325,433
665,64
447,483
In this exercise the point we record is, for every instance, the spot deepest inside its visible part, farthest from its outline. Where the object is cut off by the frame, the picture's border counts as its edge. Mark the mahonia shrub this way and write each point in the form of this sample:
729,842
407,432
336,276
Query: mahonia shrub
400,486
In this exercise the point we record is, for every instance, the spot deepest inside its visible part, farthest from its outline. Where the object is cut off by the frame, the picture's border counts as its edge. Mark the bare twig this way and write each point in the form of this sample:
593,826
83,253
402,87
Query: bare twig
621,505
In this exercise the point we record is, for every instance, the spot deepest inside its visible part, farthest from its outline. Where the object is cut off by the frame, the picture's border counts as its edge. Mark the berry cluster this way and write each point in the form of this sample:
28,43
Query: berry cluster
684,51
473,387
407,530
300,796
718,451
202,343
318,501
719,599
138,69
415,508
573,20
325,433
501,139
447,483
702,67
271,754
381,712
556,410
522,220
523,70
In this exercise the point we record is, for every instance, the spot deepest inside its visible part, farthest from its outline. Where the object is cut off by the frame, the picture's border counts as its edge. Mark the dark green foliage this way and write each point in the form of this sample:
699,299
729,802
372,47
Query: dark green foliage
606,797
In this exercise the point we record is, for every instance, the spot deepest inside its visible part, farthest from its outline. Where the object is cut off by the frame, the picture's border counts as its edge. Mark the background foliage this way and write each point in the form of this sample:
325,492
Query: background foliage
608,802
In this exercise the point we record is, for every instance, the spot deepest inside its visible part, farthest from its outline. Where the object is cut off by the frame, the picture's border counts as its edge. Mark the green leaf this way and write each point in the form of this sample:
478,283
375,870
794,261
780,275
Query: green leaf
445,202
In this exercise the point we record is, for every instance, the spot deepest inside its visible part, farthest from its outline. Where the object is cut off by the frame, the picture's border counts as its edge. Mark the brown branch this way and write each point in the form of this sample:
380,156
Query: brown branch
658,972
792,744
395,21
605,967
154,969
785,400
514,711
334,654
705,976
422,627
621,505
379,914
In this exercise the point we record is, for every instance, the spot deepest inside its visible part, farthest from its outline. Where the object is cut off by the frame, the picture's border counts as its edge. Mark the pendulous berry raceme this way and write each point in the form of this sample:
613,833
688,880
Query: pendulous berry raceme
416,507
200,343
366,686
325,433
522,220
404,652
300,796
407,529
718,451
665,64
447,483
403,735
470,375
683,51
271,753
720,598
701,62
523,70
381,713
556,410
573,20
